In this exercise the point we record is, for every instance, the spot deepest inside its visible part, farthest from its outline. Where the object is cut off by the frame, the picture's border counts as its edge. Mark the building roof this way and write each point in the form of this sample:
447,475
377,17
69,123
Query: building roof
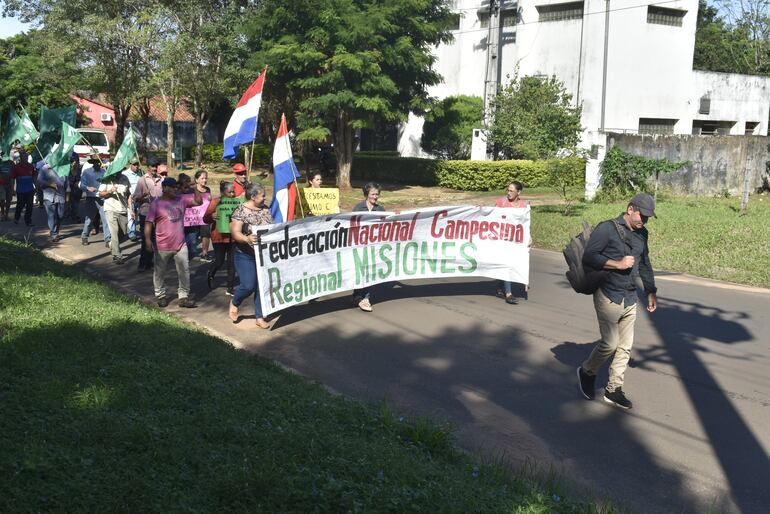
157,108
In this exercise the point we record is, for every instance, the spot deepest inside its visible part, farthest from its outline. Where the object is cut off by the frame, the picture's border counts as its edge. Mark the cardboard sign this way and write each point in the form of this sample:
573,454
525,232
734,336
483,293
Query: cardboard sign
319,201
193,216
225,209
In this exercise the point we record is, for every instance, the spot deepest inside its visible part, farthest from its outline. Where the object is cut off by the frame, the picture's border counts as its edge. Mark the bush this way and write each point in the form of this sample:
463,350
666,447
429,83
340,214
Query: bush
263,154
494,175
449,125
468,175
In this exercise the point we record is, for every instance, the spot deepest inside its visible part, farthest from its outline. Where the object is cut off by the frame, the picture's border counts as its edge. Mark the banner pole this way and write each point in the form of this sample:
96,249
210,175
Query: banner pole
294,173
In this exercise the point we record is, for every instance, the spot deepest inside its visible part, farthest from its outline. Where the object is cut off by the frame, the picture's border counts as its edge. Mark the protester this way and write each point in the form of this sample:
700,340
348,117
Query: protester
162,170
6,189
204,231
54,190
148,189
23,173
115,191
133,174
511,200
361,297
166,216
239,182
244,221
315,180
620,247
223,248
73,191
89,183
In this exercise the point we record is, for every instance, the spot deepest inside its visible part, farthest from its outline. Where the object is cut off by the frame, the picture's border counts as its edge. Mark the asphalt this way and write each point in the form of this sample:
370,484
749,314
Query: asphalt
504,376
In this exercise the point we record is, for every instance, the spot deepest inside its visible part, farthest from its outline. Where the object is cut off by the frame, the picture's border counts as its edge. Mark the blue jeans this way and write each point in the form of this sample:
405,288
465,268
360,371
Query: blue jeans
505,286
55,212
246,266
191,238
87,224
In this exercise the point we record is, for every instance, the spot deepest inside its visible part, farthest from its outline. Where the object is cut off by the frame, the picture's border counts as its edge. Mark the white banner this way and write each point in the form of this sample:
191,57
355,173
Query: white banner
319,256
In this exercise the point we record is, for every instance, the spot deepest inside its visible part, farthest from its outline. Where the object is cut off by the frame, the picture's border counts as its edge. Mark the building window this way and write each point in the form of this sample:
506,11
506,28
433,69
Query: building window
665,16
656,126
484,19
712,127
560,12
752,128
509,19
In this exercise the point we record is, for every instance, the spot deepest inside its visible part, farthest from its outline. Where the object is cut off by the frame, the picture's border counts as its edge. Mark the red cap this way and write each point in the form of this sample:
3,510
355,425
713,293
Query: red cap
239,168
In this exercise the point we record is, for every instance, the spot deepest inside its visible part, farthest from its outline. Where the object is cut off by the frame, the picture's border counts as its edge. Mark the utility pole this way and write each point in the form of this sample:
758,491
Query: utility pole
491,78
604,70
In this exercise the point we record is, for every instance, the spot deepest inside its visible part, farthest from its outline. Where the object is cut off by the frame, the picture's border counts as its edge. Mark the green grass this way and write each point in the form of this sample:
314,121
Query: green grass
701,236
111,405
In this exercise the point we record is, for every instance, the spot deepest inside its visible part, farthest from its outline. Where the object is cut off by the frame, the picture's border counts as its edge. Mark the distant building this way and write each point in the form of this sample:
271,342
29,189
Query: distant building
100,114
643,83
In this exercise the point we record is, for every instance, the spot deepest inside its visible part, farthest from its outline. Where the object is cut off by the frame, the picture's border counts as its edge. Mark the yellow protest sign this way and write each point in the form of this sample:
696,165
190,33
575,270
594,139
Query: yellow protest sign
319,201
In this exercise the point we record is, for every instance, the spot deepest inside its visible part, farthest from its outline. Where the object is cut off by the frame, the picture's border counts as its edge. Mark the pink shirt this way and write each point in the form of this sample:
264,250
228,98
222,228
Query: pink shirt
168,217
505,202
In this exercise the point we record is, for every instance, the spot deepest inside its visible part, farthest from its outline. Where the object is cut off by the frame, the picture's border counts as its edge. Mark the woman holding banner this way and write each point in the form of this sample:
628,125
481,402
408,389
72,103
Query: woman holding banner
371,198
511,200
243,226
223,248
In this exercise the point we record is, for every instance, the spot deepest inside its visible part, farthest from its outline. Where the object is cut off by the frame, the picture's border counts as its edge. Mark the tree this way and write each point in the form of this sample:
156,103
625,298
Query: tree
738,42
34,72
533,118
449,125
347,63
104,37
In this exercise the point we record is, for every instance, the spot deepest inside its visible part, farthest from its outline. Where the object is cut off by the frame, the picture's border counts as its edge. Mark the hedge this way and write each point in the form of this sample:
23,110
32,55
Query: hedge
263,154
467,175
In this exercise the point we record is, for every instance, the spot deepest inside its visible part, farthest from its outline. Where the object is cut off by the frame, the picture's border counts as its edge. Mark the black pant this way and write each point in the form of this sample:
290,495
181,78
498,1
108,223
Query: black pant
24,201
224,251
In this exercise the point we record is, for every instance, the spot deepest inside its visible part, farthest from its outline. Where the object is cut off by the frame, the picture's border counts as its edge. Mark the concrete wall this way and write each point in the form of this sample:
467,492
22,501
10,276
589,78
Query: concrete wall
717,163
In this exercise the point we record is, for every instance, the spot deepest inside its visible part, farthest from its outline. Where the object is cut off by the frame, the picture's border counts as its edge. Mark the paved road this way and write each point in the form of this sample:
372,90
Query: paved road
504,376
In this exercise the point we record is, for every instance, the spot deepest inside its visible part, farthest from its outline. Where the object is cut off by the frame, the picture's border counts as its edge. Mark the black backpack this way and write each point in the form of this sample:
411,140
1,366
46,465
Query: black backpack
584,281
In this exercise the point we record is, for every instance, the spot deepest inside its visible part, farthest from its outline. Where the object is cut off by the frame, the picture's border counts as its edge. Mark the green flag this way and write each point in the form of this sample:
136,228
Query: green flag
125,153
59,159
19,128
50,123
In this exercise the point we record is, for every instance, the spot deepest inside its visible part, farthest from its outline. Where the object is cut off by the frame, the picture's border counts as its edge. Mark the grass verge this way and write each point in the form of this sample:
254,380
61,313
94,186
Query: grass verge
111,405
701,236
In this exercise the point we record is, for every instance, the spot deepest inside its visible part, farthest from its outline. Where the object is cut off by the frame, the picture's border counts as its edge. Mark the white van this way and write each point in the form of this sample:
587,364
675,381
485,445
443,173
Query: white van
97,138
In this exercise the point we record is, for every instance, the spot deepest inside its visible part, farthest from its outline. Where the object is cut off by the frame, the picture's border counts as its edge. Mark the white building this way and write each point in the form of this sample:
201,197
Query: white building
642,81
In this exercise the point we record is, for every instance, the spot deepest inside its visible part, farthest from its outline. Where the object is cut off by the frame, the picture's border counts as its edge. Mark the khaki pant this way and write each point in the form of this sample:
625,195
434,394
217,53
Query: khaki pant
616,326
116,221
162,260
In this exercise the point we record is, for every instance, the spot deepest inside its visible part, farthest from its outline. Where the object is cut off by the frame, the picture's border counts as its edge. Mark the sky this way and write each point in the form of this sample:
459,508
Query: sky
11,26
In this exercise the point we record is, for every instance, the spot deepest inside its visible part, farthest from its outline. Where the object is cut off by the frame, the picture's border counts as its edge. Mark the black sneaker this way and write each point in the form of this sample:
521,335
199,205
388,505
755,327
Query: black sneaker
618,398
119,260
187,303
229,291
163,302
586,383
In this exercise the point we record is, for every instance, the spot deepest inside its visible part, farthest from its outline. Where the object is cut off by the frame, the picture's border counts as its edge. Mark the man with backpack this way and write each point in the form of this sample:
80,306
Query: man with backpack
618,246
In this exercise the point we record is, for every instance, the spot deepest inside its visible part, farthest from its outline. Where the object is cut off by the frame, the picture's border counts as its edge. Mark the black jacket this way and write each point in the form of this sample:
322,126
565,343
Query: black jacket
606,244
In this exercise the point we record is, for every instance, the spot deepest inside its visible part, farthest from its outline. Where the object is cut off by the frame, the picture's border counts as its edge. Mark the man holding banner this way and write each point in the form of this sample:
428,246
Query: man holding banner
115,190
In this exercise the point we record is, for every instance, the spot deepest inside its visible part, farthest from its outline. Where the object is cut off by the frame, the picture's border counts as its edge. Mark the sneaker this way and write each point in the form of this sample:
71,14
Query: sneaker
618,398
107,244
210,280
187,303
206,258
511,300
365,305
586,383
229,291
84,241
163,302
119,260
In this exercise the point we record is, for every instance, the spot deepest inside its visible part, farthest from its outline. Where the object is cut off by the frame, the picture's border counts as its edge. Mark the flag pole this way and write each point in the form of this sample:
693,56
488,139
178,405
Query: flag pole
38,133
